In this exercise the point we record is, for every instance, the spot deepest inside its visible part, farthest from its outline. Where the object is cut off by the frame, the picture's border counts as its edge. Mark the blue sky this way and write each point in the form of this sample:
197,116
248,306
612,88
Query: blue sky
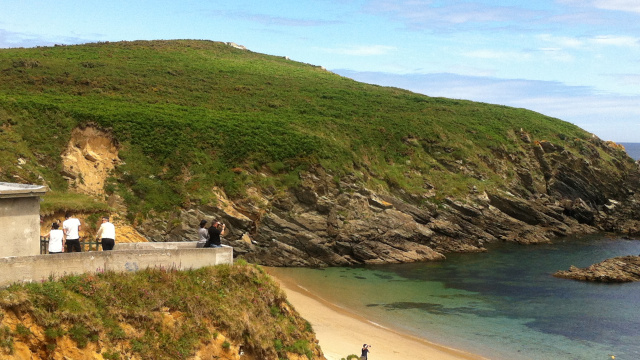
577,60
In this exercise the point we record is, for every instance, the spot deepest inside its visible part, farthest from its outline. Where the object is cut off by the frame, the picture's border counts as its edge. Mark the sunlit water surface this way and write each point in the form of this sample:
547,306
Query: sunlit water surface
503,304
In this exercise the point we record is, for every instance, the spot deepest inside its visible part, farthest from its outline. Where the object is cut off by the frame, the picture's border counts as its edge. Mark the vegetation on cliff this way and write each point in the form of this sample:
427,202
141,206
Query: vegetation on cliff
155,314
188,115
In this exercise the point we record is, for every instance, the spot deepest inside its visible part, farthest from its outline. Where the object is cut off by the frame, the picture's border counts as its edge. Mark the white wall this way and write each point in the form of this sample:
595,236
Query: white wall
19,226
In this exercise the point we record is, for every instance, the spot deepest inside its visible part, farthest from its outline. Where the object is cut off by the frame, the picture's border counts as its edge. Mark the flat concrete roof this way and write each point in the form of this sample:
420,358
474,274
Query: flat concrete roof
12,190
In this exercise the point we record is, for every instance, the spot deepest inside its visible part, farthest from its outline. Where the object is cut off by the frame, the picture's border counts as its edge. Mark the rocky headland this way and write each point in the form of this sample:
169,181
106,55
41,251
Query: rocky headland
324,222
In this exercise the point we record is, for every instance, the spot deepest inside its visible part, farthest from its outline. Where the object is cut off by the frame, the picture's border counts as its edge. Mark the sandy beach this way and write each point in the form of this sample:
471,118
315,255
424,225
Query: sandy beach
342,333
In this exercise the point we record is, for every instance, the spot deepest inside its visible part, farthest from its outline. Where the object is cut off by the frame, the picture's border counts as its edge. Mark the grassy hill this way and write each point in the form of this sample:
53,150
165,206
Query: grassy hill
192,114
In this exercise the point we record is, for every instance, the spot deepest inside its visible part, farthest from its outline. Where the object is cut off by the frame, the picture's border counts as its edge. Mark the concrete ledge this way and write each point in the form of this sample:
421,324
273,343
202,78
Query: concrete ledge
156,245
42,267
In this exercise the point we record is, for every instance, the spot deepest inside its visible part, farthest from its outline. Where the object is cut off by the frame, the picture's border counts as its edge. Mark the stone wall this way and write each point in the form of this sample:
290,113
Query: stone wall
43,267
20,224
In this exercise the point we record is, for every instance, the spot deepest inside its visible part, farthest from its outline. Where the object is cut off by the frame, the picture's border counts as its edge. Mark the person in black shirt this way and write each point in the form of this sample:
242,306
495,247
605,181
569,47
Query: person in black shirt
215,231
365,352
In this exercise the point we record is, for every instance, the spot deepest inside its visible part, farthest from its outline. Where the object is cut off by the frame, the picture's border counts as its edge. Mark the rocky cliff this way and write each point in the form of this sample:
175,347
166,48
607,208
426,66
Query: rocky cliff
328,222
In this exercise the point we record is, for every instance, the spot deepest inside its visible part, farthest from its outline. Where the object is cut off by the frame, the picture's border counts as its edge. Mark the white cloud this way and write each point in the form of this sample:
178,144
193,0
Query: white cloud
498,55
429,14
12,39
625,41
620,5
632,6
562,41
627,79
361,50
272,20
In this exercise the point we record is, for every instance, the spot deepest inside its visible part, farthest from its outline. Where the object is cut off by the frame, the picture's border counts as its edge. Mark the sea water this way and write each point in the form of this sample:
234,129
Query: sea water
502,304
633,149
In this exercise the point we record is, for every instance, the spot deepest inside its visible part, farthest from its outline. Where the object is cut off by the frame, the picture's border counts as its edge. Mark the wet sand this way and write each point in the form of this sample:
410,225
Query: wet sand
342,333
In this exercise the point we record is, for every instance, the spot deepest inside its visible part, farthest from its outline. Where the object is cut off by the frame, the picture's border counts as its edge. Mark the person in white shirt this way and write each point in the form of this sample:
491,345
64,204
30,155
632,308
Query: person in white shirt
71,228
56,239
107,233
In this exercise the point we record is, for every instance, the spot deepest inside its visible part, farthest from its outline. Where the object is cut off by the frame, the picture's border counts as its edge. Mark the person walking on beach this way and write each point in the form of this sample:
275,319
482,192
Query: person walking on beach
107,233
71,227
365,352
215,231
56,239
203,234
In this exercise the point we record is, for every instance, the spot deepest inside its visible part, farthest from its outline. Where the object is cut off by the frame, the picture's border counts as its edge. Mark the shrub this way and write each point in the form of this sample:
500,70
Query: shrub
111,355
6,339
22,330
80,335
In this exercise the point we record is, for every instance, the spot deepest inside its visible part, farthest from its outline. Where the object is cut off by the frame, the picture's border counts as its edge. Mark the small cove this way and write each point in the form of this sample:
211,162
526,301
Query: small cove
503,304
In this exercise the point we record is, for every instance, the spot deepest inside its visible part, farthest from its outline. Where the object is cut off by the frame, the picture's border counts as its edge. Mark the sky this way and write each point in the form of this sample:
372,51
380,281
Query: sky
576,60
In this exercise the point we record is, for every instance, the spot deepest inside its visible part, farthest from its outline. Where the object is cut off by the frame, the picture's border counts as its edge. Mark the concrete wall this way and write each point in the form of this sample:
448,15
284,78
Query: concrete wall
41,267
19,226
156,245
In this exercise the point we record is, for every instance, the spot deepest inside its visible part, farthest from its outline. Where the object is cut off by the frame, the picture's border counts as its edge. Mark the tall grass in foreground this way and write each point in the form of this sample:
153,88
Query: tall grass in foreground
157,314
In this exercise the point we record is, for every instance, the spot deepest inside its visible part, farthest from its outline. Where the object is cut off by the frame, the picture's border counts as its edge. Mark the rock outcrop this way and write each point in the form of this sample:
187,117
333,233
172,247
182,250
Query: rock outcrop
324,222
619,269
90,157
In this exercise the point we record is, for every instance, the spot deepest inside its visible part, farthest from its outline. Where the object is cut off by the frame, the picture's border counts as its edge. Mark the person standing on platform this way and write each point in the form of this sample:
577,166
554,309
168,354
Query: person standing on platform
107,233
56,239
71,227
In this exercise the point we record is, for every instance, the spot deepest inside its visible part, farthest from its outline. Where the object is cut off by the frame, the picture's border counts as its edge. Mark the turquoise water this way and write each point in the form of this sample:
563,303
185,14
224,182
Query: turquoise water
503,304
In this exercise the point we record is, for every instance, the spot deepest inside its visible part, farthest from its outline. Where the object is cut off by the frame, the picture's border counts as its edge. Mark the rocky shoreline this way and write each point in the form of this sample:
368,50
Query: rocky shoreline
330,222
615,270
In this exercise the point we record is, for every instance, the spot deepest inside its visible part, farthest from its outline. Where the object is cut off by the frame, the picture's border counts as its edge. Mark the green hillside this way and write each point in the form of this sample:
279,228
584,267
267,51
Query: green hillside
192,114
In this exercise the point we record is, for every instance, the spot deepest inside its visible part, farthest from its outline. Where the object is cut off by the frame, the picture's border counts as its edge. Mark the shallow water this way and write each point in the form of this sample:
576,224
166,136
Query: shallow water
503,304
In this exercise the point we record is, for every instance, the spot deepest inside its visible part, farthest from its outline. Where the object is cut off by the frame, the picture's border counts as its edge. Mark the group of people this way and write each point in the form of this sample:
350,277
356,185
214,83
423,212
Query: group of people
68,238
211,236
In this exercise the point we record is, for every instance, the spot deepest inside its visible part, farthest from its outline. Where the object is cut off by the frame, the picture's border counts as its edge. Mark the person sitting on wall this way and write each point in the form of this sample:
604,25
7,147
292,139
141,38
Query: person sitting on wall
215,231
56,239
203,234
71,228
107,233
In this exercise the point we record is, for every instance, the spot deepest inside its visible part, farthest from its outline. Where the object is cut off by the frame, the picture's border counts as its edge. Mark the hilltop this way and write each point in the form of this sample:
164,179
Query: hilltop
308,168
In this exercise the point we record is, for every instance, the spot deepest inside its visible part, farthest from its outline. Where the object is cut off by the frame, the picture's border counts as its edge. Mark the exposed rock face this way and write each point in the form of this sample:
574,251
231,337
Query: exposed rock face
327,222
619,269
88,159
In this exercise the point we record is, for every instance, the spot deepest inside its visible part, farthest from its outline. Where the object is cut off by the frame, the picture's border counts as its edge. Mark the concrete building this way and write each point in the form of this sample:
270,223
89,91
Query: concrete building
20,219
